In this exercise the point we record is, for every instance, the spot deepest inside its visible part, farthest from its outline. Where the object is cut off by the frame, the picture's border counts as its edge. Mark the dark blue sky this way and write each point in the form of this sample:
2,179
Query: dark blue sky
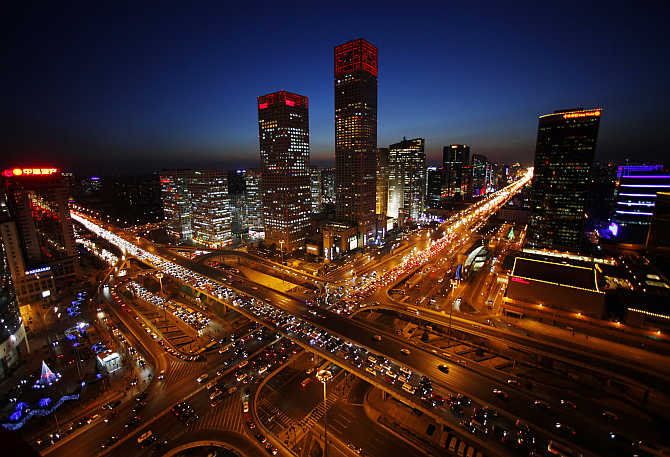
123,87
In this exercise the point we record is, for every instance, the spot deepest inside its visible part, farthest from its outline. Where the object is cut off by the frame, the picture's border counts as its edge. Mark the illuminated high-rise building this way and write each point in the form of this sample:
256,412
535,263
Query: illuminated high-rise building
407,179
434,179
176,201
37,232
283,132
467,188
210,208
254,203
481,174
454,157
382,182
196,206
356,135
12,333
328,185
566,143
315,188
635,199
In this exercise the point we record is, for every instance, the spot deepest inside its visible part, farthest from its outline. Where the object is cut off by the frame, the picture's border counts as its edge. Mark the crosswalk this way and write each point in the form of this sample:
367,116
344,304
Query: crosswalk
317,413
227,415
180,371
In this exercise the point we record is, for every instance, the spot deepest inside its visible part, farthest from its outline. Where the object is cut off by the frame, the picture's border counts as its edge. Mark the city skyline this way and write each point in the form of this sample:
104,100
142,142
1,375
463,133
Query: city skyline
365,231
132,102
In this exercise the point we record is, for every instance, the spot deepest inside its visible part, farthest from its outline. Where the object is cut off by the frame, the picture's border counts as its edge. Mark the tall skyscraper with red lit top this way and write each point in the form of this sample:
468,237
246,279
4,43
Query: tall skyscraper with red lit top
283,132
356,134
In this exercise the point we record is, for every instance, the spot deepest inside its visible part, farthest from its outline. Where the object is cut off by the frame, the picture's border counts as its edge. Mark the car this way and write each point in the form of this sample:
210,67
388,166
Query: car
568,404
500,393
261,438
541,404
443,368
245,406
405,351
161,375
113,439
565,429
610,416
202,377
513,382
377,337
251,425
271,449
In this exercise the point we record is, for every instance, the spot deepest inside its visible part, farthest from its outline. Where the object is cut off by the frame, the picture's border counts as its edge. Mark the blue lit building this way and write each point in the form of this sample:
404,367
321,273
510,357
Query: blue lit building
634,200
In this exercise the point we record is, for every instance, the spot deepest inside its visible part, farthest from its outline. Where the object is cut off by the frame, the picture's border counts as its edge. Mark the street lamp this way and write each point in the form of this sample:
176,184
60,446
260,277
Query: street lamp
324,376
281,248
160,280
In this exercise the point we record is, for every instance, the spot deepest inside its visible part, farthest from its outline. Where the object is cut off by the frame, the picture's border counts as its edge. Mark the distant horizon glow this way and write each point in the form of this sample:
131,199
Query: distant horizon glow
142,90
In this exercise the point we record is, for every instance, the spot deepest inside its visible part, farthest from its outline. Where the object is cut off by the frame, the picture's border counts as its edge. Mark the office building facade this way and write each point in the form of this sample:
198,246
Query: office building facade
382,182
12,333
356,134
635,199
254,203
434,178
315,188
566,144
407,179
454,158
196,206
37,232
481,174
328,185
659,230
176,203
283,131
210,208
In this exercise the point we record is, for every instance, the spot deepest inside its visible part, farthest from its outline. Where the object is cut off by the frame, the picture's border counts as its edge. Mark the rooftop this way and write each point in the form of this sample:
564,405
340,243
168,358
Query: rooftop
561,274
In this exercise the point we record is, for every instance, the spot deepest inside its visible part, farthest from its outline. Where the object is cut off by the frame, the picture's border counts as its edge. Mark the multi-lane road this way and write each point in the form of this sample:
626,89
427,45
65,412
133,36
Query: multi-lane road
459,378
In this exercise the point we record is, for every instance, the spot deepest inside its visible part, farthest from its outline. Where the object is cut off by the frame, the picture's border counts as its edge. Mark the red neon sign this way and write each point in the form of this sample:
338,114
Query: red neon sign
583,114
522,281
28,172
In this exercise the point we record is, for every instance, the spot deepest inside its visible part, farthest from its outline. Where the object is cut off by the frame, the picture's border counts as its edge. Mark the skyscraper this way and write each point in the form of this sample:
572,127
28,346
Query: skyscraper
481,174
382,182
434,177
356,134
176,203
196,206
283,132
12,332
315,188
566,143
407,179
254,203
659,230
635,199
328,185
454,157
210,208
37,232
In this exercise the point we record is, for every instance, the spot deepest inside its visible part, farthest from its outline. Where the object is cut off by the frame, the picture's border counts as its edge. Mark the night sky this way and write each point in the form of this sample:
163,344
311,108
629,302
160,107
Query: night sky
128,89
